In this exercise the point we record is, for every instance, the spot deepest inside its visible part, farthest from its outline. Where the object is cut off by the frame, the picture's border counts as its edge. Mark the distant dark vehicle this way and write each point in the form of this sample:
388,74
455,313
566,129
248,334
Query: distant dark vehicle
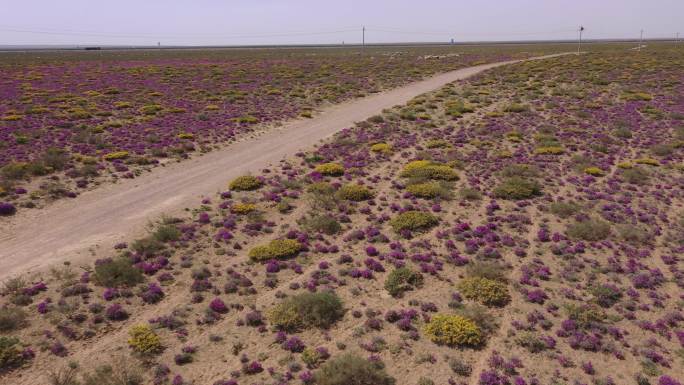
92,48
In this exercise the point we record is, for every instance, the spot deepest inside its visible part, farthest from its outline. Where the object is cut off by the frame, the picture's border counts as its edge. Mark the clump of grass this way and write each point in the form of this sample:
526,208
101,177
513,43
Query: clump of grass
589,230
350,369
307,310
563,209
516,188
401,280
117,272
322,223
11,318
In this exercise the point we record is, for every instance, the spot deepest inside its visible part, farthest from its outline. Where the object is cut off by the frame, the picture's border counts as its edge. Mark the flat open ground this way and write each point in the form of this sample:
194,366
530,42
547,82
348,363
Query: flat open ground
103,217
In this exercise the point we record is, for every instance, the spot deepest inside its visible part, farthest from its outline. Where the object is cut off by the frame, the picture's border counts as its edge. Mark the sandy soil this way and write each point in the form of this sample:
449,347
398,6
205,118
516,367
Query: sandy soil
75,229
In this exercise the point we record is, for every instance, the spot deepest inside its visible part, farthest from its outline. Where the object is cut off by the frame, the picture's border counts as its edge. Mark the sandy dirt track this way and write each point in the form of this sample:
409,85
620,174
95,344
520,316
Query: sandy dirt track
96,220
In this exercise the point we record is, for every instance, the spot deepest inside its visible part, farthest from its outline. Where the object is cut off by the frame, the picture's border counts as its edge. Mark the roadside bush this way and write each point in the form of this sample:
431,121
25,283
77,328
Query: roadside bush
349,369
590,230
166,233
453,330
245,183
401,280
144,341
10,354
330,169
276,249
117,272
354,192
413,221
429,190
11,318
516,188
485,291
425,169
147,246
307,310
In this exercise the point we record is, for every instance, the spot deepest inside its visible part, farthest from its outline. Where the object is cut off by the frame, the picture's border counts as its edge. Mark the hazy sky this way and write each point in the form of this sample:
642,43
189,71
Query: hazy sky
319,21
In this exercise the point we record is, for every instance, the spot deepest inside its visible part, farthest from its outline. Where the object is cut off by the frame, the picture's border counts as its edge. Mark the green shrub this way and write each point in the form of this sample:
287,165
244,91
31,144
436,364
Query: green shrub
349,369
519,170
490,270
481,316
469,194
549,150
425,169
322,223
144,341
635,235
245,183
10,354
516,108
586,315
331,169
307,310
354,192
120,372
147,246
453,330
460,367
635,175
429,190
590,230
117,272
563,209
11,318
531,342
401,280
276,249
517,188
311,357
167,233
485,291
437,143
14,170
413,221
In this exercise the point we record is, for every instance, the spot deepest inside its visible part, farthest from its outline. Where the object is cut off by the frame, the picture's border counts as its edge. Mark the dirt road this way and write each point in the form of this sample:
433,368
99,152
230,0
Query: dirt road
76,229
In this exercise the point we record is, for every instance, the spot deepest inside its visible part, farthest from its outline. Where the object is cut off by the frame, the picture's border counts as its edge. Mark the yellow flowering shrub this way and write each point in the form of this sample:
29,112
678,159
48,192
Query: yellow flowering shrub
144,340
453,330
276,249
331,169
245,183
485,291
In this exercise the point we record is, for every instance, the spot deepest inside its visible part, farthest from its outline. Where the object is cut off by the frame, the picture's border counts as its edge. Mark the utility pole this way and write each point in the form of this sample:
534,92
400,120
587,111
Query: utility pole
579,42
641,40
363,38
677,39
